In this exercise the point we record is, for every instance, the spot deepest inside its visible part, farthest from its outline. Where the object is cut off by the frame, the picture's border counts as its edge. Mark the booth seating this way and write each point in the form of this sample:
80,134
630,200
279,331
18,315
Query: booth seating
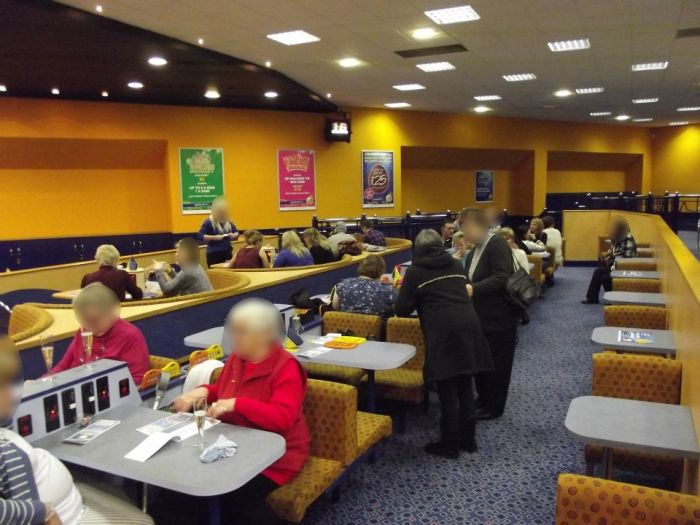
551,265
340,435
158,364
369,326
644,252
636,316
583,500
344,259
27,320
536,273
636,285
641,266
642,378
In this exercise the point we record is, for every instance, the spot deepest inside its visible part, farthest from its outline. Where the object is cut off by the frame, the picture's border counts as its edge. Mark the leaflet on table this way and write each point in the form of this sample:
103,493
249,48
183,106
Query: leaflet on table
166,424
325,339
633,336
90,432
154,442
631,273
313,352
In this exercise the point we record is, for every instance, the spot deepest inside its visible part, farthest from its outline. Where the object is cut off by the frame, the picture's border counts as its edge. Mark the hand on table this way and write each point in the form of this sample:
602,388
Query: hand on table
184,402
221,407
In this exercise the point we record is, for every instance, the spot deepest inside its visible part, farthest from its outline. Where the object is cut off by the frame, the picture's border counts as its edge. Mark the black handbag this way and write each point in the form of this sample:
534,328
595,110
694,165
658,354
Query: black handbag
521,289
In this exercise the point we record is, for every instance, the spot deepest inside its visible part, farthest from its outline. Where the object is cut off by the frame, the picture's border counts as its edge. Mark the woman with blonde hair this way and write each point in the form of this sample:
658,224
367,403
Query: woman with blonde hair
319,246
252,254
117,280
293,252
218,231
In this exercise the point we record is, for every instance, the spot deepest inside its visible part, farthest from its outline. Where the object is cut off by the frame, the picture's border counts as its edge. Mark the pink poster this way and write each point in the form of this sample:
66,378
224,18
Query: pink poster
297,179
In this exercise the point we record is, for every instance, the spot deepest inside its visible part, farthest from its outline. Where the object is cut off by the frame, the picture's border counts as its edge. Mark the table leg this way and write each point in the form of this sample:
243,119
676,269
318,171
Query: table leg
214,510
371,395
144,498
607,463
689,484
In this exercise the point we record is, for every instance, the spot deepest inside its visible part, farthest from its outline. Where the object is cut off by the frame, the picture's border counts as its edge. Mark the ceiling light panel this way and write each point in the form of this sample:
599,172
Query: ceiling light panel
687,108
395,105
589,90
650,66
569,45
293,38
678,123
600,113
425,33
453,15
432,67
349,62
484,98
643,119
409,87
562,93
482,109
519,77
650,100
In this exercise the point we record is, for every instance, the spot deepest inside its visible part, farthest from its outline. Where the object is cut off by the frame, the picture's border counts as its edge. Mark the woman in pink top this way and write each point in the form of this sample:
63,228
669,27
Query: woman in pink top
97,310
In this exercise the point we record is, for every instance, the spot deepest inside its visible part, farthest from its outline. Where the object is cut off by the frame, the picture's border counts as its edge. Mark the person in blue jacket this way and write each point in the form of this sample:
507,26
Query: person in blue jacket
218,232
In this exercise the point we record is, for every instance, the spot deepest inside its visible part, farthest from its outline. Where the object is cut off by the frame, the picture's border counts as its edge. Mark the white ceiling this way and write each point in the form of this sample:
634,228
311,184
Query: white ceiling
510,37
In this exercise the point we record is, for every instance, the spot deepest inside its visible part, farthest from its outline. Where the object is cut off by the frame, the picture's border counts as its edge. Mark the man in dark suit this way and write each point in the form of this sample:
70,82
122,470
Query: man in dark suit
488,267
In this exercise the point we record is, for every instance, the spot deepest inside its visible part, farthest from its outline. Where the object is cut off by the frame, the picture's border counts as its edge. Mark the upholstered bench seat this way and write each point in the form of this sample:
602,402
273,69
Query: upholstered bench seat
400,384
339,374
371,429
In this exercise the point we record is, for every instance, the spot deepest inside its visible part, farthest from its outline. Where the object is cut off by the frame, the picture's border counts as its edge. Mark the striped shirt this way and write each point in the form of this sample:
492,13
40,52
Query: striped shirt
19,497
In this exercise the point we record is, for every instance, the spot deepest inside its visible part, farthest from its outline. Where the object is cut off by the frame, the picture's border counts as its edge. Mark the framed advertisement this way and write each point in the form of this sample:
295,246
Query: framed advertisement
377,179
201,178
483,186
296,174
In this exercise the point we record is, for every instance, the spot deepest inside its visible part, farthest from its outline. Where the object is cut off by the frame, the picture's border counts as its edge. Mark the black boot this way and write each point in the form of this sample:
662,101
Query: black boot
467,438
443,449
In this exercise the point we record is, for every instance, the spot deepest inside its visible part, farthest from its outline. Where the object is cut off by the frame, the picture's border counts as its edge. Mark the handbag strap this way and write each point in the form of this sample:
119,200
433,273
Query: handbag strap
516,264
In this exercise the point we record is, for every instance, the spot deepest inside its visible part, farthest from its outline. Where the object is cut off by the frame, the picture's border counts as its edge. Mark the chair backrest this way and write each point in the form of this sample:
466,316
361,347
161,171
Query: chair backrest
637,285
634,316
331,415
221,279
642,266
536,272
407,331
639,377
27,320
582,500
362,325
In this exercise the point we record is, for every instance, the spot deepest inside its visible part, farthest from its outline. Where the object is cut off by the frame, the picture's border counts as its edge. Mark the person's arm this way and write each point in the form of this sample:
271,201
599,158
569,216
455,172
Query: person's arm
68,361
135,291
234,232
280,260
23,512
135,355
406,301
543,238
207,234
83,282
335,299
174,285
232,262
500,262
184,402
263,258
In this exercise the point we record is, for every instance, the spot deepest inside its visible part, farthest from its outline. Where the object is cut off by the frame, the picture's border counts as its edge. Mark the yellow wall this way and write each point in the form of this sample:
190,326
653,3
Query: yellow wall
251,138
585,181
676,159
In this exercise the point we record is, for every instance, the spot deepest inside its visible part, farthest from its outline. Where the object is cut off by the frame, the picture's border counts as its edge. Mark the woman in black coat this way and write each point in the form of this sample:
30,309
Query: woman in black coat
455,347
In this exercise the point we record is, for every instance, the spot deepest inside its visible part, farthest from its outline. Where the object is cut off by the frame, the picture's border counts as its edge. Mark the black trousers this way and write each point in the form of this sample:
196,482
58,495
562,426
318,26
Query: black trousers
492,387
218,257
601,276
247,505
457,420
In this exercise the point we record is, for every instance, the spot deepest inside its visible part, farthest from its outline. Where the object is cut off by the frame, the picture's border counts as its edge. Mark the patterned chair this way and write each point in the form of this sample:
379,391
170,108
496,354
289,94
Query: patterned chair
632,316
643,378
371,429
636,285
550,265
536,273
362,326
637,265
644,251
27,320
582,500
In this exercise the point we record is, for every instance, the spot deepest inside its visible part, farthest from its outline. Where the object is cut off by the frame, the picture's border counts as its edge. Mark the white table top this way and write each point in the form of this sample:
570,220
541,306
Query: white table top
657,428
607,336
642,298
637,260
176,466
634,274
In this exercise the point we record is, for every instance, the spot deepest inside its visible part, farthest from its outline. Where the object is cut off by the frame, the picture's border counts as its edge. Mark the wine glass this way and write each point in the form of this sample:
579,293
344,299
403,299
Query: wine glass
87,349
199,408
46,342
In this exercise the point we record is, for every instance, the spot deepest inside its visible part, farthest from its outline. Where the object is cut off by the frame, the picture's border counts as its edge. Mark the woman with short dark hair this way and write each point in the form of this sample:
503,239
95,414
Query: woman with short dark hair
191,279
364,294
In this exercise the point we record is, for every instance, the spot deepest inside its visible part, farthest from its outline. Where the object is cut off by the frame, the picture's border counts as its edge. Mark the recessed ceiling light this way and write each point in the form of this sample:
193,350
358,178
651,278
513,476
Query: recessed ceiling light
650,100
678,123
98,8
600,114
650,66
409,87
200,41
55,91
589,91
482,109
643,119
519,77
569,45
563,93
397,105
135,85
622,117
329,95
212,93
484,98
687,108
432,67
424,33
271,94
157,61
452,15
105,94
349,62
268,63
3,88
293,38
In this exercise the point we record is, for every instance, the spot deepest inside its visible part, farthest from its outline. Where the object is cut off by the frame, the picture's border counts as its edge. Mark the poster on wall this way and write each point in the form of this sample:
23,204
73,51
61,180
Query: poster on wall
483,190
296,170
377,179
201,178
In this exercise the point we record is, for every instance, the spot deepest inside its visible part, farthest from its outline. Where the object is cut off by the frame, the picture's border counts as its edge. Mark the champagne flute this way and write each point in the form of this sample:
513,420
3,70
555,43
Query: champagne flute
46,343
87,349
199,408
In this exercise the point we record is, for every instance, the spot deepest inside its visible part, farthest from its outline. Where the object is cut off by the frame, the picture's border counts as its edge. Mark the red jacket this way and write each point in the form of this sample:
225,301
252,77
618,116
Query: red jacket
269,396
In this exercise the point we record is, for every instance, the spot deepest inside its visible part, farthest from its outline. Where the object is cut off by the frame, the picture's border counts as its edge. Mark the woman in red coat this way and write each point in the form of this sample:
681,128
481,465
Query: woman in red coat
262,386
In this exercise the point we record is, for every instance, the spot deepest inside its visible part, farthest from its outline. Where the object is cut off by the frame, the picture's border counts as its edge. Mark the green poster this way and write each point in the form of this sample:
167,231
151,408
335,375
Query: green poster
201,178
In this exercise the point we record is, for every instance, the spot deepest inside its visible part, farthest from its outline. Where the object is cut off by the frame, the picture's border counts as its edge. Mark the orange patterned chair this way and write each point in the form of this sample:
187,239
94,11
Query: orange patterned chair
27,320
643,378
369,326
633,316
582,500
637,265
636,285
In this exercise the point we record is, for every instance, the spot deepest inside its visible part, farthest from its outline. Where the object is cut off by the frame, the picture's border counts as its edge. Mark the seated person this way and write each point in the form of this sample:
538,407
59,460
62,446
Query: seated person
554,239
536,233
251,255
37,488
460,247
373,236
191,279
342,242
365,294
119,281
447,230
522,239
319,246
623,246
97,310
293,252
261,386
518,255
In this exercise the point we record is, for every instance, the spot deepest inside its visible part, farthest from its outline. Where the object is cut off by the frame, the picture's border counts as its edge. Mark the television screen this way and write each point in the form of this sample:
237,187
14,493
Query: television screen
338,130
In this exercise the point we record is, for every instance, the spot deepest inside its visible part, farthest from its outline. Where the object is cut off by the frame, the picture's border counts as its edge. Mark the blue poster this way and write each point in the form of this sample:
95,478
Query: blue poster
377,179
483,181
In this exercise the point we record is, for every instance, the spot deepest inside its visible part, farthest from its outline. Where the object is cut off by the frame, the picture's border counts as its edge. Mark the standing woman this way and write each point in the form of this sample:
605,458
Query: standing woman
456,348
488,267
218,231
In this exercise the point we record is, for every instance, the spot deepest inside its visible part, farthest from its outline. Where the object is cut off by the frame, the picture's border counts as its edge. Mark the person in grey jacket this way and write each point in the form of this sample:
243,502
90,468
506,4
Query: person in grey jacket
191,279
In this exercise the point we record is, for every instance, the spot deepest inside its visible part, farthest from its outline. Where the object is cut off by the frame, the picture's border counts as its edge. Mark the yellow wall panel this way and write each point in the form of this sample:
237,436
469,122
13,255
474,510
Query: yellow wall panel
585,181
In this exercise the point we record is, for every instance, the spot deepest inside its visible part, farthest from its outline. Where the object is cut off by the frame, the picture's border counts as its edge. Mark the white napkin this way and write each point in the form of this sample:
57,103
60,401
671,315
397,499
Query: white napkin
222,448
